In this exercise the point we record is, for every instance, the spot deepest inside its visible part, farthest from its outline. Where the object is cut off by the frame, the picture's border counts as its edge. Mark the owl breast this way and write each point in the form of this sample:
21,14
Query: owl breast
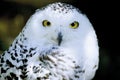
54,66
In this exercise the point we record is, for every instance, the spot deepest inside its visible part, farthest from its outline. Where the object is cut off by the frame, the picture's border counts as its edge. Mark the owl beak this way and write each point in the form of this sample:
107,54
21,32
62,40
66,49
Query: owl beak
59,38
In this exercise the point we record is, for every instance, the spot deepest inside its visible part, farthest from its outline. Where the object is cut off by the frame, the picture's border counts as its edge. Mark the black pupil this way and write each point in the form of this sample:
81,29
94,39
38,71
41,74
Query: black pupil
72,24
48,23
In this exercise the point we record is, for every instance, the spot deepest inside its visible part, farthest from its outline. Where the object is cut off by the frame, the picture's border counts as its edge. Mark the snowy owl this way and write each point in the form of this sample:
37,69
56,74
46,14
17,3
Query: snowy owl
58,42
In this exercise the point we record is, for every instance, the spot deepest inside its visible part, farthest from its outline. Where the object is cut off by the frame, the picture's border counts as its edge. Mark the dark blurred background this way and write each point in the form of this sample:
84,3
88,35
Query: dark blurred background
102,14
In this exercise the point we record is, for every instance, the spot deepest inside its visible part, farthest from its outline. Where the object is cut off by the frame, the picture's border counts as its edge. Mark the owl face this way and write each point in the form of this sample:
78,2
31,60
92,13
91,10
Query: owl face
57,23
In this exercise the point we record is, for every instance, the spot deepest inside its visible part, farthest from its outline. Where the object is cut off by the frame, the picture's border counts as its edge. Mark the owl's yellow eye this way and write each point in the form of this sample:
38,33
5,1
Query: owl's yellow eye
46,23
74,25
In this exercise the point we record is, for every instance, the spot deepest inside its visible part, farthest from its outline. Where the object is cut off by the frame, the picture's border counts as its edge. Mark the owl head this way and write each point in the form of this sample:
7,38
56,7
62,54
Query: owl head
58,23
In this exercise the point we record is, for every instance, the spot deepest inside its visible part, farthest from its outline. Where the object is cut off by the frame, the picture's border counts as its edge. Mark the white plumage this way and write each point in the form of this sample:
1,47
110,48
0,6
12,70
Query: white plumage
57,43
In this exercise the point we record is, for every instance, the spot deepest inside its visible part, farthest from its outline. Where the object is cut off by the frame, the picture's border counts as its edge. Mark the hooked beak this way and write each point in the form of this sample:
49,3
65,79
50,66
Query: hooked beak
59,38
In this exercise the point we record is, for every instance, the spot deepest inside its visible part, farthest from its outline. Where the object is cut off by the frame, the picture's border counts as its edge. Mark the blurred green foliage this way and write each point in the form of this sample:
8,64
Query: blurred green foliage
38,3
9,29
